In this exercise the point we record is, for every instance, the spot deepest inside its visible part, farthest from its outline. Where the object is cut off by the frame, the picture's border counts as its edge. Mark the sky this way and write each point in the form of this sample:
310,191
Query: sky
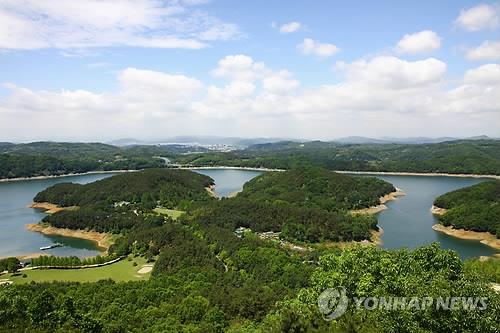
98,70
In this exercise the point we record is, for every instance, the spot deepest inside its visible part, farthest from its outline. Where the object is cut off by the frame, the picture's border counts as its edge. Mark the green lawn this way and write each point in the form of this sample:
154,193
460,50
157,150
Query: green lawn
123,270
174,214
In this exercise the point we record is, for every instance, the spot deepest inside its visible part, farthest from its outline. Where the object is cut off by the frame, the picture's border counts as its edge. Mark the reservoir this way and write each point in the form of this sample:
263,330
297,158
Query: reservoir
15,197
407,222
228,181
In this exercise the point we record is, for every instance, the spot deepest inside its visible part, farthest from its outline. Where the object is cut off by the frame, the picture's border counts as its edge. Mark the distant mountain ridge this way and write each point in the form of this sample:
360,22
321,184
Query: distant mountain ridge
198,140
247,142
409,140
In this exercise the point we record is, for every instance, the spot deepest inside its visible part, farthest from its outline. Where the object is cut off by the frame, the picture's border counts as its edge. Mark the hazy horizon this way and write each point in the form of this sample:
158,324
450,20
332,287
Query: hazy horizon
201,139
150,69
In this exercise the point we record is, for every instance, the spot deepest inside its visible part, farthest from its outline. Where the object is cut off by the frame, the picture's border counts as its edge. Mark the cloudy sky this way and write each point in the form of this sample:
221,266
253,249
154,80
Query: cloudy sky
151,69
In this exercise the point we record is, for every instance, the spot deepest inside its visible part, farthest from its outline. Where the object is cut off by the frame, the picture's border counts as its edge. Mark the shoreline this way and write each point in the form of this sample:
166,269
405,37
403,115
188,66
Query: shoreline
483,237
419,174
376,237
438,210
17,179
25,256
184,167
103,240
49,208
379,173
211,191
375,240
377,209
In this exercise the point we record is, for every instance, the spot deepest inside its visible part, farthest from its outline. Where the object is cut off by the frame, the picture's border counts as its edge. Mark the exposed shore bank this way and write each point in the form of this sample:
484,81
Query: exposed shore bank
376,240
103,240
376,173
438,210
484,237
25,256
187,167
211,191
422,174
377,209
4,180
49,208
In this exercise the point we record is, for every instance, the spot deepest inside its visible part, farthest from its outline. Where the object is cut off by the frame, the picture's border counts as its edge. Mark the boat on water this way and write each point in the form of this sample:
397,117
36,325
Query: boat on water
51,246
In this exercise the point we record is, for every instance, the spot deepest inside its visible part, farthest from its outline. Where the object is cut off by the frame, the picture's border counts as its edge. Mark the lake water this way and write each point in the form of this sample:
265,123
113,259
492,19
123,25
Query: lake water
229,181
15,197
407,222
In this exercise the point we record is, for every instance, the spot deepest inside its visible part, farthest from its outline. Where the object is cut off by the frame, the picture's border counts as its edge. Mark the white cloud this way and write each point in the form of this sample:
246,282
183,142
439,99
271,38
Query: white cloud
32,24
376,96
290,27
138,84
419,42
312,47
239,67
279,84
395,73
488,50
485,74
480,17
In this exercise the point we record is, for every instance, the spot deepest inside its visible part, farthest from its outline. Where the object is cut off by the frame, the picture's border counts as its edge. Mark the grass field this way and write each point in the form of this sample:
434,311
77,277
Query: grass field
174,214
123,270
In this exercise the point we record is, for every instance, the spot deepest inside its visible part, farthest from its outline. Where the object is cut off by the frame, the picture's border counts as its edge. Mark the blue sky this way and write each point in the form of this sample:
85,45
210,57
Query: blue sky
98,70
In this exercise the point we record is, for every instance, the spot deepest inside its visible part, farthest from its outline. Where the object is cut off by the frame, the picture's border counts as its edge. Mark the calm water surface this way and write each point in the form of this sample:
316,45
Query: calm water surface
407,222
228,181
15,214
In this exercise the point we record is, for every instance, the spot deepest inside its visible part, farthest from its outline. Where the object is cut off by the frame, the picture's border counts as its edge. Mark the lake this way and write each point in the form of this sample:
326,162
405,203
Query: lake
228,181
15,214
407,222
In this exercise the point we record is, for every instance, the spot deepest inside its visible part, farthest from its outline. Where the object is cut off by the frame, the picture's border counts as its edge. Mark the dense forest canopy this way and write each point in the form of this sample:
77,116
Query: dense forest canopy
56,158
295,223
169,186
473,157
264,289
311,203
208,279
305,204
316,188
109,204
475,208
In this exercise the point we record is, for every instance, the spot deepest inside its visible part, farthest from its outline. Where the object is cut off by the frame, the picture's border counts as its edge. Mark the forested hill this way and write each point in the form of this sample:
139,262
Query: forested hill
307,204
57,158
462,156
475,208
316,187
108,204
208,279
168,186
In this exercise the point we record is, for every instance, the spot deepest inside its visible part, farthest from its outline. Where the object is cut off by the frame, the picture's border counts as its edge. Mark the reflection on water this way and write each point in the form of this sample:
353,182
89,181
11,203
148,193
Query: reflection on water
407,222
15,214
228,181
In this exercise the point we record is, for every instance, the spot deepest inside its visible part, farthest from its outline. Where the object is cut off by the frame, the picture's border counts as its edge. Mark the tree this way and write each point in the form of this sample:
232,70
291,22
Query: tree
11,264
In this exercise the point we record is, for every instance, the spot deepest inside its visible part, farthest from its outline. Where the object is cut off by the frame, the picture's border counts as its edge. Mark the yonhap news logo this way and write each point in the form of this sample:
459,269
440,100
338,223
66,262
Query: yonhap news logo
333,303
